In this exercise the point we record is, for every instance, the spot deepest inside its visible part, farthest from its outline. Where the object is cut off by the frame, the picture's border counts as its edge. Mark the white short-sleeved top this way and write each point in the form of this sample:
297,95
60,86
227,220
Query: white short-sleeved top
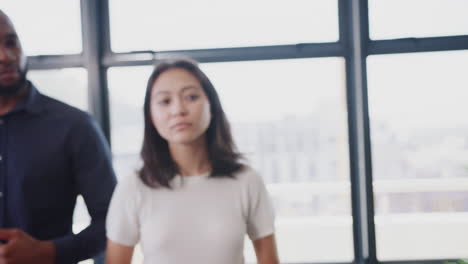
201,220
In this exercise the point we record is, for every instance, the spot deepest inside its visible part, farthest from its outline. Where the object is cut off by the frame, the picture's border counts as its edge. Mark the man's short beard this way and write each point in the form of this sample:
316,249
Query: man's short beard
12,90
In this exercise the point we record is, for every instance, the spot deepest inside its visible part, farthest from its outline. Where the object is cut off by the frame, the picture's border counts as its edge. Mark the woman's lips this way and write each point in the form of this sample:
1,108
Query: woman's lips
181,126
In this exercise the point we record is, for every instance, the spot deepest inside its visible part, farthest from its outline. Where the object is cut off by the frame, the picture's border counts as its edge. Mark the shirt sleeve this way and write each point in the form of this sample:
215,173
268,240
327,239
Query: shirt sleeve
95,180
122,219
260,219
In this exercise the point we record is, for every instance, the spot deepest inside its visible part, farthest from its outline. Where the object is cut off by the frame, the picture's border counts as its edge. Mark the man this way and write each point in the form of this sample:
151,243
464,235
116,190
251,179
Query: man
49,153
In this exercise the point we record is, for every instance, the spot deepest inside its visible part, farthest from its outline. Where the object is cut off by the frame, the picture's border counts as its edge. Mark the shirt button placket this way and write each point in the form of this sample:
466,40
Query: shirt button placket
2,170
1,157
2,123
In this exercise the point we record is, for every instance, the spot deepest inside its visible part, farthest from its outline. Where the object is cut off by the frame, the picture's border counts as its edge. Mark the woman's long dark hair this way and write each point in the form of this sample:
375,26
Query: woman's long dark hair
158,166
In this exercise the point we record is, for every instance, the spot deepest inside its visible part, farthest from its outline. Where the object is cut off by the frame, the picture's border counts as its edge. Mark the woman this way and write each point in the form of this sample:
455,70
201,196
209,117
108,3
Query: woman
193,201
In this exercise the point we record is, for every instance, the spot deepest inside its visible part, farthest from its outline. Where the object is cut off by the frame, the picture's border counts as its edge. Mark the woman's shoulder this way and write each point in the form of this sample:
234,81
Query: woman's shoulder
133,188
248,175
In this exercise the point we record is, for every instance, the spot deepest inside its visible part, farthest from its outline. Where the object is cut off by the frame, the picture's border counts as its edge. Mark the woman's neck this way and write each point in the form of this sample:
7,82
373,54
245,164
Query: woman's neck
192,159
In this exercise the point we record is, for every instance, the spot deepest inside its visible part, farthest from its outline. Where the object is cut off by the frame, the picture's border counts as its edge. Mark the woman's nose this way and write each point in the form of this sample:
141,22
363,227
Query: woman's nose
179,107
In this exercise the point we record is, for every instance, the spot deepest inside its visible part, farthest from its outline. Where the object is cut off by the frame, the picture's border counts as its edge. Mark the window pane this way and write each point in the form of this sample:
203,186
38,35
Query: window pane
420,148
165,25
46,26
289,118
68,85
417,18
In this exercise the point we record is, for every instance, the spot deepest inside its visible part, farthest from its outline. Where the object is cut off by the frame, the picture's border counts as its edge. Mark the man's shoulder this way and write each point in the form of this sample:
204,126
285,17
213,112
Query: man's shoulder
61,110
55,104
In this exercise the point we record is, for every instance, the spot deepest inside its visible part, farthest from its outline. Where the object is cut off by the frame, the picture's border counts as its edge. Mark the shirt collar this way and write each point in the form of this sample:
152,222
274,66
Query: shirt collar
32,104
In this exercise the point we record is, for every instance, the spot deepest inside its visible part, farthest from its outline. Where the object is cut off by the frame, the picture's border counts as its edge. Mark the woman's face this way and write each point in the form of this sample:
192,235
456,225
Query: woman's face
180,109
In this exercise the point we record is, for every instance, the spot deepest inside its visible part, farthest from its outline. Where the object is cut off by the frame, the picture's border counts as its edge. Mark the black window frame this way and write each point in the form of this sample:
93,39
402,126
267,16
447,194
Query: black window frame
354,45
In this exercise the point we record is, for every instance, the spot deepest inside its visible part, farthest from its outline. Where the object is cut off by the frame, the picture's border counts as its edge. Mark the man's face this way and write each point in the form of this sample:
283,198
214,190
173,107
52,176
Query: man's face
12,61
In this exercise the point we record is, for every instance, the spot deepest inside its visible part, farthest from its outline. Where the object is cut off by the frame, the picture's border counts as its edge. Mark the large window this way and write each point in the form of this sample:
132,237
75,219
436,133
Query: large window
289,118
417,18
46,26
287,72
420,149
68,85
174,25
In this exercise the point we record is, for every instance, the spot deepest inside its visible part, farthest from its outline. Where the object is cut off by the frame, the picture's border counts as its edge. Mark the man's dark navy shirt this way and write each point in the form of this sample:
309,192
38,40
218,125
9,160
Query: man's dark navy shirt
51,152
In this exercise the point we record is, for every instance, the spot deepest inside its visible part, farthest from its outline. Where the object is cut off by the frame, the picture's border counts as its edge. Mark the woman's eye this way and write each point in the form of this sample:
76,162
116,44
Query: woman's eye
163,102
193,97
